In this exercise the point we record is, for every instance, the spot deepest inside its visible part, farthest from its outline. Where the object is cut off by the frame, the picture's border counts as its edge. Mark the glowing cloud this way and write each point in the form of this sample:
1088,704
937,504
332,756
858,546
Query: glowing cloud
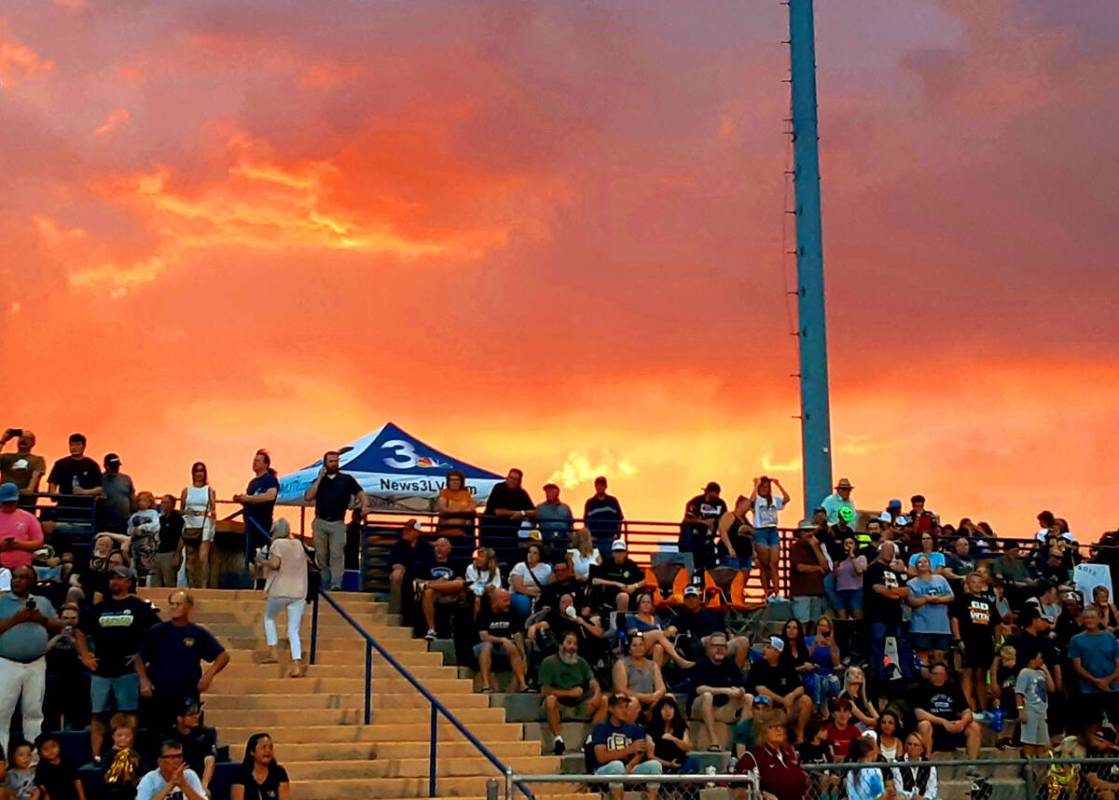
112,122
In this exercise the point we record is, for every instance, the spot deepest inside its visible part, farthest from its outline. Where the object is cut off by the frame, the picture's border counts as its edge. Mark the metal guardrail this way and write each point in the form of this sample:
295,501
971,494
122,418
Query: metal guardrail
437,708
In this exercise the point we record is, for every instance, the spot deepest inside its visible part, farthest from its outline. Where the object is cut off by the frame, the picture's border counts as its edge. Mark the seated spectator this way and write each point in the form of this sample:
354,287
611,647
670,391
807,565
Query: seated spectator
657,637
200,744
120,772
409,558
622,748
169,550
283,566
816,750
603,516
569,688
1055,563
259,777
545,634
1015,573
441,582
1109,614
959,563
668,738
944,721
482,575
66,704
89,585
554,519
55,776
563,582
796,655
808,566
528,579
774,760
736,537
891,742
841,729
973,624
823,682
915,778
615,580
21,772
930,632
171,777
849,581
1103,778
1068,621
638,678
854,690
143,534
868,782
20,532
779,681
500,630
583,556
718,690
937,561
694,624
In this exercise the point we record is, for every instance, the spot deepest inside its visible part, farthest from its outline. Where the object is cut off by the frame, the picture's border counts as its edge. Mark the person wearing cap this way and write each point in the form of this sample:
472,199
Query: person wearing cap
718,689
1102,778
200,744
23,468
617,579
694,624
620,748
409,557
108,639
767,539
841,498
698,530
554,519
118,497
602,514
333,492
20,532
777,679
26,623
892,516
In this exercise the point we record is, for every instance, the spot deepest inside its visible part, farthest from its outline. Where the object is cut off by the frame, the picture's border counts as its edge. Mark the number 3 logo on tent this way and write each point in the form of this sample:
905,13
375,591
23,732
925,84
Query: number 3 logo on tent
405,454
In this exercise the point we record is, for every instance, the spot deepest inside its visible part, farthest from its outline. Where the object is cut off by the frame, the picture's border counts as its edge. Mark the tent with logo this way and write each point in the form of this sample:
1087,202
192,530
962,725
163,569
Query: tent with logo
397,471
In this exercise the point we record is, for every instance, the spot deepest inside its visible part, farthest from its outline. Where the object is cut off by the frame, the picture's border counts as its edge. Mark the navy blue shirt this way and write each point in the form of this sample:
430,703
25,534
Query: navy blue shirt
615,737
261,512
603,517
174,656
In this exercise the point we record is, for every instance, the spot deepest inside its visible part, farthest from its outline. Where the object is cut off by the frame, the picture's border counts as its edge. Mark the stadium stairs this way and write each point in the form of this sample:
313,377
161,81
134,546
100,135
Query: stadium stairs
316,721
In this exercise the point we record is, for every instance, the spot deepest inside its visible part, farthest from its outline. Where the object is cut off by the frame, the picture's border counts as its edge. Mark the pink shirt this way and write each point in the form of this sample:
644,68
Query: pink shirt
23,527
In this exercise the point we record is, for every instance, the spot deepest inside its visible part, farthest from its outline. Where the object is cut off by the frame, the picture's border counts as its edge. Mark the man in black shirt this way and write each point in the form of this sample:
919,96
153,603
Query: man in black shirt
441,581
506,508
115,627
259,501
334,492
602,514
79,477
200,744
408,558
617,579
500,631
697,532
694,624
778,680
944,720
718,688
884,590
168,553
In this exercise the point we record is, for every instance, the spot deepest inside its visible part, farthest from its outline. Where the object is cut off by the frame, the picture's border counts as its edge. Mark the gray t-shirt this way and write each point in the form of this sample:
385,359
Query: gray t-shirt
640,681
1031,685
27,641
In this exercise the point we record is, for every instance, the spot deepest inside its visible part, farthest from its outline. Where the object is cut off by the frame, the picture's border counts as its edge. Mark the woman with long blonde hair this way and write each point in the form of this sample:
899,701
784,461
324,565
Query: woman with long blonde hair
854,689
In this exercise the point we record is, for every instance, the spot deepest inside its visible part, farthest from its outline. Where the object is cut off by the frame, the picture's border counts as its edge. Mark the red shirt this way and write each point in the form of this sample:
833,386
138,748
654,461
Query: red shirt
780,771
840,740
23,527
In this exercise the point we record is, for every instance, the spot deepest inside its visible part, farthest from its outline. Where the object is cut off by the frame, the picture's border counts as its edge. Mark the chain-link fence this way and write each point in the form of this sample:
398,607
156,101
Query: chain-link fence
1002,779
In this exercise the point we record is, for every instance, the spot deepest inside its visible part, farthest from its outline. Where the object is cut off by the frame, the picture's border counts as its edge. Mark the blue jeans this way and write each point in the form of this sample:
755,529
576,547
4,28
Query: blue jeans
831,593
743,563
878,633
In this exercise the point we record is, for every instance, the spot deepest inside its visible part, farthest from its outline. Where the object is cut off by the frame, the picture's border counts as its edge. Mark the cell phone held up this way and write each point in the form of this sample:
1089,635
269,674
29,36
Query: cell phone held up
13,433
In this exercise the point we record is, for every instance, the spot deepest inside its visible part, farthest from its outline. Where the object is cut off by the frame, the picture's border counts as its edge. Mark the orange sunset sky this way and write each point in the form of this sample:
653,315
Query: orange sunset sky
550,234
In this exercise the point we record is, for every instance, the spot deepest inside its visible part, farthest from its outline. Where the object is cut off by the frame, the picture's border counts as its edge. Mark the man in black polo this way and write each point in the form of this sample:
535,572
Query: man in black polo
334,492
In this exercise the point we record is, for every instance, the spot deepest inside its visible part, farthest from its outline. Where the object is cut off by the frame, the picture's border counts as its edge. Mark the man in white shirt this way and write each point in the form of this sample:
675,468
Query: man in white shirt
172,779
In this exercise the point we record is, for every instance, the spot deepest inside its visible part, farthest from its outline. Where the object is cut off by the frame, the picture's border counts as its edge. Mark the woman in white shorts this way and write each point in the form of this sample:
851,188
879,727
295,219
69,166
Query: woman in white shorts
199,504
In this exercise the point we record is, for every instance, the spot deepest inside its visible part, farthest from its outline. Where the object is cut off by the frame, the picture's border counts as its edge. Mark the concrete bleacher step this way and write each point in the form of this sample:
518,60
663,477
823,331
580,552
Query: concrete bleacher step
387,731
297,702
347,789
339,716
408,767
352,655
317,670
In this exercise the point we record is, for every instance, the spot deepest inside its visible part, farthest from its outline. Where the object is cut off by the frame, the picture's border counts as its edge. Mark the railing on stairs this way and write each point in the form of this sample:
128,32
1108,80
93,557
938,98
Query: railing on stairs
437,708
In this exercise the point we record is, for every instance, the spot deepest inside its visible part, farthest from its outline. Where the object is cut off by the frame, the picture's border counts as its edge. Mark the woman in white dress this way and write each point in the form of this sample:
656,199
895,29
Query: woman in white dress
199,504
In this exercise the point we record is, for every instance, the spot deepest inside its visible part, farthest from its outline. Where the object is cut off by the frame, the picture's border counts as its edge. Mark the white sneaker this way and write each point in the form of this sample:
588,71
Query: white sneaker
430,635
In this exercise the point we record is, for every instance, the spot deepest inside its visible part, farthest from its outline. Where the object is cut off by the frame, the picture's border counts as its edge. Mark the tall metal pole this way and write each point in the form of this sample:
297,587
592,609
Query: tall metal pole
815,420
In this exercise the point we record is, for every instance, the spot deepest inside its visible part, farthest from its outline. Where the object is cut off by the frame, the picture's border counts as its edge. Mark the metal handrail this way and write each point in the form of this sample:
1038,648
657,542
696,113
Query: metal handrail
437,707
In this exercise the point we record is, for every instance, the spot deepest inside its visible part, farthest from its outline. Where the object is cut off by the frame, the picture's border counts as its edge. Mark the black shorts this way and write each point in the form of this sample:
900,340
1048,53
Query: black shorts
978,657
945,742
1090,709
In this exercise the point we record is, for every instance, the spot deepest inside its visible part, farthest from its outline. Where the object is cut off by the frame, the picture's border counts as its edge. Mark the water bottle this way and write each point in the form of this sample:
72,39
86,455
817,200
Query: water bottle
74,484
996,724
710,771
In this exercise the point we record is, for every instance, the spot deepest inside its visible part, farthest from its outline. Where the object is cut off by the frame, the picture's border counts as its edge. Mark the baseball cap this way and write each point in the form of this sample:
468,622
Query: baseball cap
190,704
121,571
712,486
548,486
777,643
870,735
619,544
844,484
691,591
9,492
895,503
112,460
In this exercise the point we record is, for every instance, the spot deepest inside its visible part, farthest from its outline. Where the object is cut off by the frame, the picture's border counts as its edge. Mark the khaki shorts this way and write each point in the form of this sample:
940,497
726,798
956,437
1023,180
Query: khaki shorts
569,710
727,712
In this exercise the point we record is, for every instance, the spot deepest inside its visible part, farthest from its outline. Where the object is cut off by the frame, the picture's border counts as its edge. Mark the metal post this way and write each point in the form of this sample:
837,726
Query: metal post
368,682
508,783
314,627
815,422
434,748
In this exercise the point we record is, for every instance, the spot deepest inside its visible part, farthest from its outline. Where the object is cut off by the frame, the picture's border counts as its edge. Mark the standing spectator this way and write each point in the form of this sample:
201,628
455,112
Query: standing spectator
973,624
76,476
528,579
259,777
774,760
440,582
1034,635
583,556
500,630
959,563
928,550
638,678
409,558
849,581
568,685
777,679
602,514
718,690
55,776
840,499
617,579
668,738
23,468
333,492
118,496
915,778
767,539
172,655
697,533
1032,690
20,533
809,565
200,744
883,594
1015,573
1095,660
554,518
25,622
172,778
456,508
143,533
1109,614
944,721
736,537
919,520
930,596
200,512
621,748
109,637
66,703
285,583
169,550
258,502
506,508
